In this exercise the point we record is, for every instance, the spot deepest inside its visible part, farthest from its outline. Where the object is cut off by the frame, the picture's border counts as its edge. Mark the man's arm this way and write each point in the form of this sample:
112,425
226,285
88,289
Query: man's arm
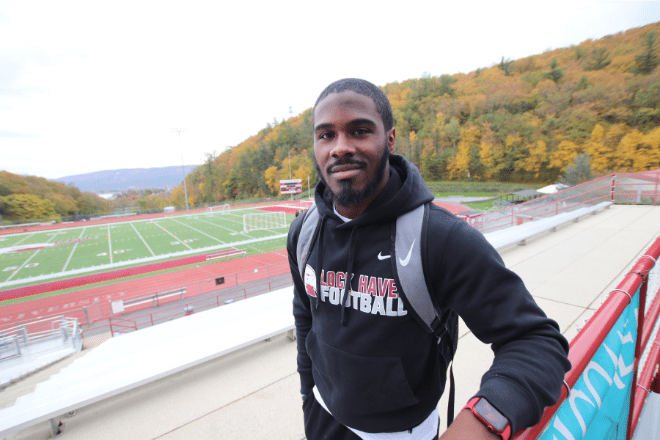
530,352
467,427
301,311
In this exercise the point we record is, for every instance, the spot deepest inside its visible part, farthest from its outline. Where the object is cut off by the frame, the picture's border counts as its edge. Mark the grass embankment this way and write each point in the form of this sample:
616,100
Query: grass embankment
478,189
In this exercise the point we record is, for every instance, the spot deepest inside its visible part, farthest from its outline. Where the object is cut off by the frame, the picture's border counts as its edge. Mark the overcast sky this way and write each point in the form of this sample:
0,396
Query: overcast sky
89,85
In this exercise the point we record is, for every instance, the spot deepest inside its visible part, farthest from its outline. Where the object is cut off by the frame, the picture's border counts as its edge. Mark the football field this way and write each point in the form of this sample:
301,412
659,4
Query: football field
43,255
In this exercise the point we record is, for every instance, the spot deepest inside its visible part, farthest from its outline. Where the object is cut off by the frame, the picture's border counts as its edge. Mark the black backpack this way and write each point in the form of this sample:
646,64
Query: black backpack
411,228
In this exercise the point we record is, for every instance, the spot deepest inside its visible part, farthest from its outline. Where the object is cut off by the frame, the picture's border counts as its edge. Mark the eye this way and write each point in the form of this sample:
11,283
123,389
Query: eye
361,131
326,135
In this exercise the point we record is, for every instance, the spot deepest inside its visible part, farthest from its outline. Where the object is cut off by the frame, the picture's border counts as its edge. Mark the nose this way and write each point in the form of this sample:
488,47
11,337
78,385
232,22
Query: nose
342,147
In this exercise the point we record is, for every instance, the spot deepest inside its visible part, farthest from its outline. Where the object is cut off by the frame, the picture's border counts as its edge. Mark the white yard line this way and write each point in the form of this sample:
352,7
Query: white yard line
73,250
174,236
145,243
26,237
194,229
28,260
109,245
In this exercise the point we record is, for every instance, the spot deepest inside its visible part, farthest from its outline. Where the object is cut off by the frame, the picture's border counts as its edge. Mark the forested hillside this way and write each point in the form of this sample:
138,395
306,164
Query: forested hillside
31,197
520,120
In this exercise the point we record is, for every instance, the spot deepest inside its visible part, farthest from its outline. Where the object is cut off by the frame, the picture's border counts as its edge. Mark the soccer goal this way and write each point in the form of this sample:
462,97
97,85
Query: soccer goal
222,209
266,220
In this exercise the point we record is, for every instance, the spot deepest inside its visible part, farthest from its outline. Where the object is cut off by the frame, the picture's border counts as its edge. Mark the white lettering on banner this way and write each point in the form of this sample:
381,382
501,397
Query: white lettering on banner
621,365
594,366
625,339
562,430
577,394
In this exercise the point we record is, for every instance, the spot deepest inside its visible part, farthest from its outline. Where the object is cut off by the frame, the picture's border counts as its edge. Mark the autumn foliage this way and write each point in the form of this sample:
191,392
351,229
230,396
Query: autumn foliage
520,120
31,197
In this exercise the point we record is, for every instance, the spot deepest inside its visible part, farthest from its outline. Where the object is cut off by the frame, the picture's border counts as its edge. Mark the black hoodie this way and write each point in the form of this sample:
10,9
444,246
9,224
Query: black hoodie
375,367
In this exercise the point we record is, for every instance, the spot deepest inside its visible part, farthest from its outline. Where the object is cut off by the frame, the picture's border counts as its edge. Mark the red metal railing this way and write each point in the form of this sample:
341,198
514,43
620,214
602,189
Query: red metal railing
623,188
591,337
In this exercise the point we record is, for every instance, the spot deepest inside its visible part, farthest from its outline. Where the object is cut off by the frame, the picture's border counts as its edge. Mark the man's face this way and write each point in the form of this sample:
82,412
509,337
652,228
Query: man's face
351,147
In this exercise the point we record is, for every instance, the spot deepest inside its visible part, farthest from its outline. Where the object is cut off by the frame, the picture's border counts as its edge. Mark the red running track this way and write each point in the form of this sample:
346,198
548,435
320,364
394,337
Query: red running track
98,277
197,280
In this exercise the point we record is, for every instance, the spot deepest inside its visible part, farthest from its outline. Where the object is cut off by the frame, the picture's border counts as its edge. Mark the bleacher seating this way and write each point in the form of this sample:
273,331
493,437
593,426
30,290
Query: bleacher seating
131,360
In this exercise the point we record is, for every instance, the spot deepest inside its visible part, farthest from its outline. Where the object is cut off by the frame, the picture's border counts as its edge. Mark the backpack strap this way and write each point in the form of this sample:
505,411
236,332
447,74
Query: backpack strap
308,231
409,266
410,239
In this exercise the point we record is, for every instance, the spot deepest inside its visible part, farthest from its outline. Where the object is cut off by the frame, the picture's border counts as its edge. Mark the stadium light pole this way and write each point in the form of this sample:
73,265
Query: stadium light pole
183,170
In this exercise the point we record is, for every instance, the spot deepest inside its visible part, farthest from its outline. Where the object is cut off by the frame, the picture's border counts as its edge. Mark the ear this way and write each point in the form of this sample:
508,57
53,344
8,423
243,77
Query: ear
391,140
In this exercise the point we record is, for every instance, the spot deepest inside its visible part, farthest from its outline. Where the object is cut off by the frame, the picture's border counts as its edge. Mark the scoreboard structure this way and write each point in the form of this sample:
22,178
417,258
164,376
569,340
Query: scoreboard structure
291,186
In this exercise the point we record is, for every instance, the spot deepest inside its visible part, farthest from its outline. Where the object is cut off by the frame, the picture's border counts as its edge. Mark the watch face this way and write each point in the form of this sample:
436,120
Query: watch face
490,414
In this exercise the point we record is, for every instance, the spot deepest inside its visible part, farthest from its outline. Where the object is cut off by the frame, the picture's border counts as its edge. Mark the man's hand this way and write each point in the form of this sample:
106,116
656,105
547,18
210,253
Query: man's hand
467,427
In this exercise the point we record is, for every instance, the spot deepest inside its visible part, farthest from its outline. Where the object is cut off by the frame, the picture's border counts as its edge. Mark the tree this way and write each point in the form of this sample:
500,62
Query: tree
578,171
599,59
555,74
584,83
505,66
648,61
26,207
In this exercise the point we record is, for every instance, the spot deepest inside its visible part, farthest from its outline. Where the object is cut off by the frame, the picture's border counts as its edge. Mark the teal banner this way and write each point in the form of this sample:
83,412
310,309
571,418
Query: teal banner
598,405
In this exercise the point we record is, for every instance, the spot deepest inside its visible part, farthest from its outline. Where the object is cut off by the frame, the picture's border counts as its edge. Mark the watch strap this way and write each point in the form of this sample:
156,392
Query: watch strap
504,433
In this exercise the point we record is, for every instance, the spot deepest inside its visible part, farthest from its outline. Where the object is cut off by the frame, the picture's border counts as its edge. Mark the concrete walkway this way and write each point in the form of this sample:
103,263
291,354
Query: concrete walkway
253,393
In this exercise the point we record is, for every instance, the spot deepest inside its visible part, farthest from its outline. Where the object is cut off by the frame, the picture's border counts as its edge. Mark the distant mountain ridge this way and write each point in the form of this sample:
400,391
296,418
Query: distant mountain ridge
129,178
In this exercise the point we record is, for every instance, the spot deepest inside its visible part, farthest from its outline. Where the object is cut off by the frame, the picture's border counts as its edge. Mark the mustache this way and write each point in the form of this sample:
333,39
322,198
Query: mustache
346,161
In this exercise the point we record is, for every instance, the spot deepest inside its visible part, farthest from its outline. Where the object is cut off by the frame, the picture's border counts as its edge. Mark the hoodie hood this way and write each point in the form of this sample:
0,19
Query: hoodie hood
405,191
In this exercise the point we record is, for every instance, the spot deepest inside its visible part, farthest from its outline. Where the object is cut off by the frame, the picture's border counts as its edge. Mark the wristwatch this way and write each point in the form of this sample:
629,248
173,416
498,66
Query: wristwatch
494,420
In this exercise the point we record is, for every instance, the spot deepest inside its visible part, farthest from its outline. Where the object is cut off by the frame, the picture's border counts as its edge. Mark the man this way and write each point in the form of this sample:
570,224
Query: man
368,370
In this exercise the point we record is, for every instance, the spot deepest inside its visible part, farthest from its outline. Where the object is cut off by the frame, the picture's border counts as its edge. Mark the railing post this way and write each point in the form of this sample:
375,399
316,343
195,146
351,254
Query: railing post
612,189
655,194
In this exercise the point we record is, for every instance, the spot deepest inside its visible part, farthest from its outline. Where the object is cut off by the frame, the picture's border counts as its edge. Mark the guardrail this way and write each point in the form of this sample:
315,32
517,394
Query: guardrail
14,340
621,188
640,280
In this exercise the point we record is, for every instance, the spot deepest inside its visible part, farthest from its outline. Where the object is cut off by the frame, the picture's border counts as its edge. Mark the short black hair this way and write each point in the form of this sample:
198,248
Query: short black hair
365,88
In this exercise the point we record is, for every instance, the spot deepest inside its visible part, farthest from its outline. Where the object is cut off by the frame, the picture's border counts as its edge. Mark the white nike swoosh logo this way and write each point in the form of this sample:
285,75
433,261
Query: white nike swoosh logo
407,260
383,257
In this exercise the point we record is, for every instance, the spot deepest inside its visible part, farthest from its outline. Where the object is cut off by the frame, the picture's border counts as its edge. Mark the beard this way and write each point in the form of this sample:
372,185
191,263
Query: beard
348,195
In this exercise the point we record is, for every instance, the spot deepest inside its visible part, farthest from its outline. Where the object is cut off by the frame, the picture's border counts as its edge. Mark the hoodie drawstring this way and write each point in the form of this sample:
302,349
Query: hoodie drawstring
349,271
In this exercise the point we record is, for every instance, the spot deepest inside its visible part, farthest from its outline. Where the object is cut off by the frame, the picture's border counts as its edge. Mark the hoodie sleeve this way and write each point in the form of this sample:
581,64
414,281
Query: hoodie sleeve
530,352
301,310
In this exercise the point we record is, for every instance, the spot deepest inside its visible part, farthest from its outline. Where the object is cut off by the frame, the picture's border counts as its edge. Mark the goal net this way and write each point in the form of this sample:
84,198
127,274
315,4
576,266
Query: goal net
222,209
266,220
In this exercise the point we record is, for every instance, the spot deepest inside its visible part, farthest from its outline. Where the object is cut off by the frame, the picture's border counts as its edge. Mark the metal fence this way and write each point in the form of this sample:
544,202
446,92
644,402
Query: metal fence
14,340
632,188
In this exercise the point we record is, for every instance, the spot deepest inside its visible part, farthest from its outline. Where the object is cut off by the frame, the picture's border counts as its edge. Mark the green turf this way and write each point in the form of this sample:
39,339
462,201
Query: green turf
101,245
